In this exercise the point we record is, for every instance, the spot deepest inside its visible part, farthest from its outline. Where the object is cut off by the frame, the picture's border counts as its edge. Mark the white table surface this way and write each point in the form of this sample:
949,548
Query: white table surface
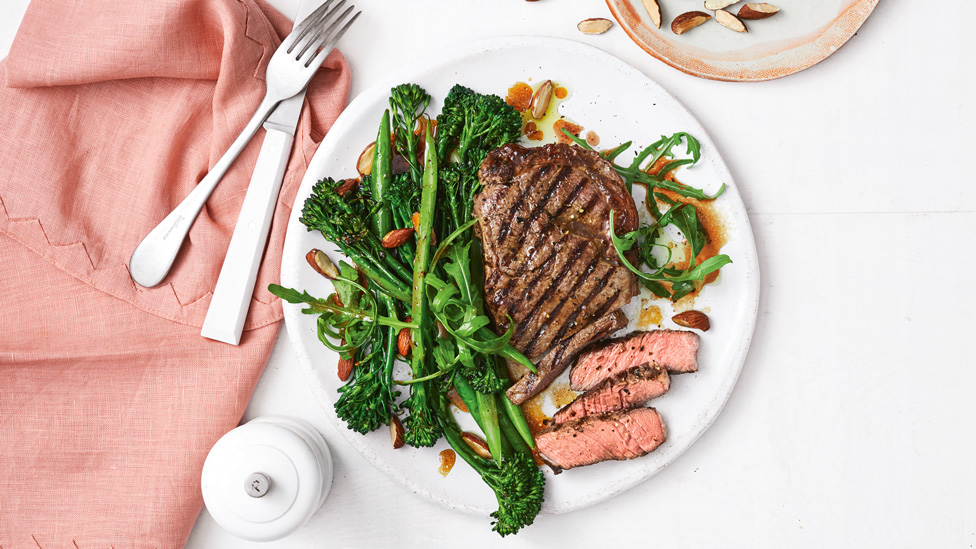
853,422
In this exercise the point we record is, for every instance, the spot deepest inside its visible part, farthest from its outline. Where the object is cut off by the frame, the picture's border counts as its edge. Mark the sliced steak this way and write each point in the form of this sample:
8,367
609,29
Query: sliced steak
616,435
626,390
543,218
676,350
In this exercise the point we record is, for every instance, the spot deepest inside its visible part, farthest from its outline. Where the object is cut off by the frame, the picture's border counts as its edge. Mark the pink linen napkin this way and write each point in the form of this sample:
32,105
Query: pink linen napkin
109,397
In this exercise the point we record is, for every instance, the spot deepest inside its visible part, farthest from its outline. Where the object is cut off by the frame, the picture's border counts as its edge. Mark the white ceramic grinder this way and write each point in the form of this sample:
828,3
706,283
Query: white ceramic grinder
266,478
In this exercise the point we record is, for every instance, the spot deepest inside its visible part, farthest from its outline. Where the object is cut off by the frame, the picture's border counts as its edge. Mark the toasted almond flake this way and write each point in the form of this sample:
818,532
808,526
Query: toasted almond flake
364,165
718,4
653,10
540,100
757,10
688,20
596,25
730,21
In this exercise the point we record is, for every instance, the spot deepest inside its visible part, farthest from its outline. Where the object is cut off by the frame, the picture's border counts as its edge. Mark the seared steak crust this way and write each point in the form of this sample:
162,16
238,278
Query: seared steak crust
676,350
543,217
616,435
626,390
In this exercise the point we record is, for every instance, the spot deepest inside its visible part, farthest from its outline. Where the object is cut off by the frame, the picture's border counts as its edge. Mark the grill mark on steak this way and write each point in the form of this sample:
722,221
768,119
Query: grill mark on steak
539,205
564,278
520,306
566,325
543,221
555,361
518,203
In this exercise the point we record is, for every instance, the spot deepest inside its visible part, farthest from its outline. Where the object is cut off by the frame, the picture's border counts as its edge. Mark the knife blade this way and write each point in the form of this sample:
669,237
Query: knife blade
232,294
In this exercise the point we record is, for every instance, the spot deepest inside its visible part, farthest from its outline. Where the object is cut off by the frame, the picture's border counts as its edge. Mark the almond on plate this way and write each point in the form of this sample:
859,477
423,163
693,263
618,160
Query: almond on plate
730,21
654,10
696,320
321,263
397,237
718,4
688,20
757,10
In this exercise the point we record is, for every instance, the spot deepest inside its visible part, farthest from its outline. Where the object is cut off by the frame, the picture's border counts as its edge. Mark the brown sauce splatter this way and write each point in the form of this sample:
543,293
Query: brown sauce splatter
534,415
649,315
519,96
447,458
592,139
561,394
557,128
561,92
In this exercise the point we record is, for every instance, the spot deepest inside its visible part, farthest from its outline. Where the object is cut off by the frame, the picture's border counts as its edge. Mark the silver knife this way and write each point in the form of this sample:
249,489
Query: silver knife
235,284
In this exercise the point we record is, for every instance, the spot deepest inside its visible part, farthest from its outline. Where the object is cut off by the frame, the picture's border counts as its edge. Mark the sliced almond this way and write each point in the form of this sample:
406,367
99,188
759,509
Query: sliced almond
344,369
757,10
718,4
730,21
364,165
455,399
321,263
479,446
404,342
540,100
695,320
396,431
597,25
688,20
654,10
347,185
397,237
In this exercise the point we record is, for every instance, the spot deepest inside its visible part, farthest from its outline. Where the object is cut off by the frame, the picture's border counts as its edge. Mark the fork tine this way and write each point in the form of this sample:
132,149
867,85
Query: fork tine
323,32
301,29
320,58
311,33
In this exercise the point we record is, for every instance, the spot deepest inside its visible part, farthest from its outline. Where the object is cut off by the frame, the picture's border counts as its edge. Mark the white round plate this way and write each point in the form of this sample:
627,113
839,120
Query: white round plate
620,104
800,35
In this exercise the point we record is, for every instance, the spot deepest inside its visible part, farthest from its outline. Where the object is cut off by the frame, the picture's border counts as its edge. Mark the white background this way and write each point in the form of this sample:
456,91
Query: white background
853,422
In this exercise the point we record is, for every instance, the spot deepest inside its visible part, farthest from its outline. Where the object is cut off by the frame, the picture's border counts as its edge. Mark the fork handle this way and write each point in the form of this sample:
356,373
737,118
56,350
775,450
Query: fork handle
153,257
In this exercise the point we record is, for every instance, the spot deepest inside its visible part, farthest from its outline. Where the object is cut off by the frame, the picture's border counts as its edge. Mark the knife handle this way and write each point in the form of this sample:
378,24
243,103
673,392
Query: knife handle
235,284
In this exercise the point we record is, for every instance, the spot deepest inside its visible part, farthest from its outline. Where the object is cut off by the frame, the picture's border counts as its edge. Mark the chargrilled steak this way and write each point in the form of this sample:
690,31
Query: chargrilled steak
551,364
626,390
543,217
616,435
676,350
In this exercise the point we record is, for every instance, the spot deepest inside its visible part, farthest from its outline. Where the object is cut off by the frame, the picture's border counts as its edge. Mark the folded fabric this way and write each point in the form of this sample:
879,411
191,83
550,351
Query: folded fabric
109,398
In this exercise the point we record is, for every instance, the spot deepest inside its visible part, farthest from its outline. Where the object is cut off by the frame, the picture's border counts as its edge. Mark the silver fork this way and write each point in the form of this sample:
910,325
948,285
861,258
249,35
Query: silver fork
289,70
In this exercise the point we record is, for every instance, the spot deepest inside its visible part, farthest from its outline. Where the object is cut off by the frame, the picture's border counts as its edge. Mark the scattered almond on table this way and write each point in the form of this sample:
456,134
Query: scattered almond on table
596,25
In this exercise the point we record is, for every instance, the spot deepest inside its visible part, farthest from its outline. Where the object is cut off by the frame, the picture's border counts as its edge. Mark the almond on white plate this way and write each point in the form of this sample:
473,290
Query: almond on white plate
654,10
757,10
718,4
688,20
730,21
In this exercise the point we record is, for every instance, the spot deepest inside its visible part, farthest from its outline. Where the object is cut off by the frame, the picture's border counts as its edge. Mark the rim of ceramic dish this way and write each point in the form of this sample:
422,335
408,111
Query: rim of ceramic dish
795,55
